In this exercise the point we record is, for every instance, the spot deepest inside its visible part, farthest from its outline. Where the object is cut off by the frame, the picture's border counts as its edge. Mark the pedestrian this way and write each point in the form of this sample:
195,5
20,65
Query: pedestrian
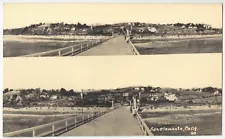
128,39
134,113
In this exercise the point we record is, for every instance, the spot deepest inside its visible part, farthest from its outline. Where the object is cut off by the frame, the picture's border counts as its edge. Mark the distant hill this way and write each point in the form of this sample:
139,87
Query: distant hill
108,29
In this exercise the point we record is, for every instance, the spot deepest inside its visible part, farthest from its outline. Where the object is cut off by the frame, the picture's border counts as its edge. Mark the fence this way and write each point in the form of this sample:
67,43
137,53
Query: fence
134,50
70,50
176,37
55,128
143,126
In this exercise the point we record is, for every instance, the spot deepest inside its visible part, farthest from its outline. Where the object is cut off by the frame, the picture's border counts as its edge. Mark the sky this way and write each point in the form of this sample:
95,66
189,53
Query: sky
96,72
21,15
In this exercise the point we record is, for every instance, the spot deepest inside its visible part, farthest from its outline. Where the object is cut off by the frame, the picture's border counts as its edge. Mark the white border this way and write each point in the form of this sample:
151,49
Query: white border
99,1
113,1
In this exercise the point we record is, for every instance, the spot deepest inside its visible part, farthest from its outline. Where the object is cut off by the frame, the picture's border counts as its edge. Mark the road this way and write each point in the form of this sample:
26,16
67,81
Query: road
115,46
118,122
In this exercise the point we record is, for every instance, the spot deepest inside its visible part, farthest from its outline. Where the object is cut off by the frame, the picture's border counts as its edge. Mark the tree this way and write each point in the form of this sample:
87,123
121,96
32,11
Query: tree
5,90
24,92
62,92
71,92
79,25
37,91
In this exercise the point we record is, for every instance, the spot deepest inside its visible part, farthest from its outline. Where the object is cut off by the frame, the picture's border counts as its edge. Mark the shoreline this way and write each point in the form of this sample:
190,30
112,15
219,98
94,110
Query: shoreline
63,37
55,109
176,37
189,108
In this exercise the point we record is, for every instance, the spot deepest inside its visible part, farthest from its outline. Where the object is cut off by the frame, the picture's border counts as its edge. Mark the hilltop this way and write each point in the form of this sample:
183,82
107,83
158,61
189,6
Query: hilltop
149,95
108,29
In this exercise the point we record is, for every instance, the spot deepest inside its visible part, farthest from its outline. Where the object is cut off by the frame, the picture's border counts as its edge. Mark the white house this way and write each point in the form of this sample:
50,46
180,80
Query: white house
136,88
141,30
183,26
170,97
44,96
73,28
126,94
19,98
216,93
153,30
54,97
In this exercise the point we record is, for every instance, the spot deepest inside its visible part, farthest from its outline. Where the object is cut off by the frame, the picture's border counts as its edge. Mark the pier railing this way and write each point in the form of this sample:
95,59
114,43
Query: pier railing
70,50
143,126
55,128
133,48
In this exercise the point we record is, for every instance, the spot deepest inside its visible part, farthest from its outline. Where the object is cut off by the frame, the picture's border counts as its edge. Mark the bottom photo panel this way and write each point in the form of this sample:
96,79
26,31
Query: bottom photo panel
163,95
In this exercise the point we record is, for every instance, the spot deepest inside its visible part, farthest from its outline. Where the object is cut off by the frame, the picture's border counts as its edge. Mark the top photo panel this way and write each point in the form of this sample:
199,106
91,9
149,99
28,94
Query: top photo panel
55,30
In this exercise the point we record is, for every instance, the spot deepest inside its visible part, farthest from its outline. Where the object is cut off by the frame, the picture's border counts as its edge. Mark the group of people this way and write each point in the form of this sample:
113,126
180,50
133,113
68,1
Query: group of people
127,38
127,35
134,111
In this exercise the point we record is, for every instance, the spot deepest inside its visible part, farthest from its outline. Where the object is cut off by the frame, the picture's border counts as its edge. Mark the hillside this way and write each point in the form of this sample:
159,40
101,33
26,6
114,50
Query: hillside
149,95
108,29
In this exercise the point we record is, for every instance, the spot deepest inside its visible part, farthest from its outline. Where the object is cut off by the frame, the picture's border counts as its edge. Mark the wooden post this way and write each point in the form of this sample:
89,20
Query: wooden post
53,130
33,132
81,47
88,118
72,50
59,52
83,119
66,125
75,122
141,126
112,104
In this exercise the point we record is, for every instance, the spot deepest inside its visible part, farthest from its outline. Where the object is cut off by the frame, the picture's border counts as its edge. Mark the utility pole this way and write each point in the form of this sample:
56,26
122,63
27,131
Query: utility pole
82,100
112,103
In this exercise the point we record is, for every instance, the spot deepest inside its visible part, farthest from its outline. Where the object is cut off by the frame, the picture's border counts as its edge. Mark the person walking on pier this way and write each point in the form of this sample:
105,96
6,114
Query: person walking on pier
128,39
134,113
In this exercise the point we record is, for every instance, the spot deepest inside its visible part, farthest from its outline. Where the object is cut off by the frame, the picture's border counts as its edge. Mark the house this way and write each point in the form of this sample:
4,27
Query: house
170,97
141,29
30,95
70,98
44,96
125,94
18,98
54,97
136,88
183,26
153,98
217,93
153,30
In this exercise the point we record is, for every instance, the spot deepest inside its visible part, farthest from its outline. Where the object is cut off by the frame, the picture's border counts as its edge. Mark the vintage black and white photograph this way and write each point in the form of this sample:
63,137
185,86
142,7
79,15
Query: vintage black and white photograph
38,30
98,69
175,95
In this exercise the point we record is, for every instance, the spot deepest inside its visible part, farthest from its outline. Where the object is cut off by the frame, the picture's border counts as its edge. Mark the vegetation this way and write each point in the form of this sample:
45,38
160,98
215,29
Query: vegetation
147,95
108,29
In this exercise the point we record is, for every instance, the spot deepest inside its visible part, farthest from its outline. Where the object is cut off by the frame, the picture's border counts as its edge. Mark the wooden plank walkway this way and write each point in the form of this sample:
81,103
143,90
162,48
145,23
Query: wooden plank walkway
119,122
115,46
